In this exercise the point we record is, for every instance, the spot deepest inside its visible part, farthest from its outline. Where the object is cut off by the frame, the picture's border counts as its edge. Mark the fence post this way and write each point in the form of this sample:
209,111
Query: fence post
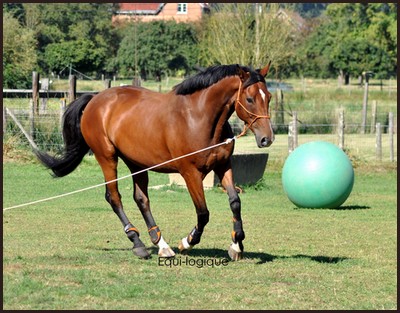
35,91
378,144
391,139
279,113
292,135
340,129
364,109
107,83
72,88
63,105
340,80
4,120
44,85
32,119
136,81
373,116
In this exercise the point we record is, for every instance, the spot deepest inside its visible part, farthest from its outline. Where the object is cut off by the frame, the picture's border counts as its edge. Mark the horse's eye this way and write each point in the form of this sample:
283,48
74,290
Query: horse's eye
249,100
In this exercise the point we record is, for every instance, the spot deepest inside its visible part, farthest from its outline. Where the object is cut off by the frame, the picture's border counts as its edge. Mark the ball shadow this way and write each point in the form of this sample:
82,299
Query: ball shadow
341,208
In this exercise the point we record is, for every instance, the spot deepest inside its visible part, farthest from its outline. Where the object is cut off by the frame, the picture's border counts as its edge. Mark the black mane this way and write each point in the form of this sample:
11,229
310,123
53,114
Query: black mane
212,75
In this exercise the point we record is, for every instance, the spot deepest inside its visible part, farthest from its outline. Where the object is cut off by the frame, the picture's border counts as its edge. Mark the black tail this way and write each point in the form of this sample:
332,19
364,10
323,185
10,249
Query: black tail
75,146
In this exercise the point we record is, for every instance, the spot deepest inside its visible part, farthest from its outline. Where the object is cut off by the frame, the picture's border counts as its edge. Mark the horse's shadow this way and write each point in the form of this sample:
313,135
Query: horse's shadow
262,257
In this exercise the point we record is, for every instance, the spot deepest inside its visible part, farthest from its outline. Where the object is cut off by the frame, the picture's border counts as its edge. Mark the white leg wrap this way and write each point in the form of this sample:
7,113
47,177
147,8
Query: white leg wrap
235,246
164,250
162,244
185,243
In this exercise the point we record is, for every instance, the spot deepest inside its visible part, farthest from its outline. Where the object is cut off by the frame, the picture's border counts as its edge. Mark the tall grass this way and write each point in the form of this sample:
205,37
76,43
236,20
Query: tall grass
316,102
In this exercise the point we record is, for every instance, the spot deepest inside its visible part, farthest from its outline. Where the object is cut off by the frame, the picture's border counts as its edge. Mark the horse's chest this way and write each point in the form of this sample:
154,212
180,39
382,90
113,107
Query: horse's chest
219,155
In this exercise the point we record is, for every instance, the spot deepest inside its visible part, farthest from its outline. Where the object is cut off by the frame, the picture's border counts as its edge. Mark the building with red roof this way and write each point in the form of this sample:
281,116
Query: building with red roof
180,12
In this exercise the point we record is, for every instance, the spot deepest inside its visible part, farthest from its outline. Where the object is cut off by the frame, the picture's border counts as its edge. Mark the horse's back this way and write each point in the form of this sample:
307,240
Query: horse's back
130,120
117,103
123,97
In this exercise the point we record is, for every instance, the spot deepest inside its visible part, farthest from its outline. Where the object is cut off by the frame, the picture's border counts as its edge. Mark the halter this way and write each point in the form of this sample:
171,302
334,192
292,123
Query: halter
256,116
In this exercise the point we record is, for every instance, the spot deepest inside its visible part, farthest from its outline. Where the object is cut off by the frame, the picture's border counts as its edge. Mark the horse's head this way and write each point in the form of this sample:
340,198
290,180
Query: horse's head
252,105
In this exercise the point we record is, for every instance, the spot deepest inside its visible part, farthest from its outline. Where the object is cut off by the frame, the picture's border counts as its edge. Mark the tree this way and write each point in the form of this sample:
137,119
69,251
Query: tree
353,38
157,47
246,33
76,34
19,56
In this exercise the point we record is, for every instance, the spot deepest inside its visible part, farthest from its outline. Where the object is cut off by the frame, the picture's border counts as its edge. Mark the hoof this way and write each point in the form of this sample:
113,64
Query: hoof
166,253
184,247
235,251
141,252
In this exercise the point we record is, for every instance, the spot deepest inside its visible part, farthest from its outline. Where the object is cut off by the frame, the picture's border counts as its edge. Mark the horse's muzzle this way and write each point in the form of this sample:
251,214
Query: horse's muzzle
264,142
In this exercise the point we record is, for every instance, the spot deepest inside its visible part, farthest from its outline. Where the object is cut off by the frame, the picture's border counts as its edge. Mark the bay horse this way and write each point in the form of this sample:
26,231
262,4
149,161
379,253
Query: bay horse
145,128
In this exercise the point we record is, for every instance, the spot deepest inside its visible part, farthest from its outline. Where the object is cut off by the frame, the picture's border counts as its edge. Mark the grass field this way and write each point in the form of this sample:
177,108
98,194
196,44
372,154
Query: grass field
71,253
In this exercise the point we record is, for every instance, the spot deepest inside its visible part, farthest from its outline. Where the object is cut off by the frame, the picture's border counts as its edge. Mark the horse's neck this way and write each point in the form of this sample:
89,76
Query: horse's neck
219,105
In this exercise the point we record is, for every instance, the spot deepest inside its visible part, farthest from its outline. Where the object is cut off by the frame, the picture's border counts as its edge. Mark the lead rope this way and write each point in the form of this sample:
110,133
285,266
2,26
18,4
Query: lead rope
228,141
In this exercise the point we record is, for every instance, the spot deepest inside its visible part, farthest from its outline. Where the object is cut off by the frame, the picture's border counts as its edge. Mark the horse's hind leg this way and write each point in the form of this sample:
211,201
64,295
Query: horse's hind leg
226,177
141,197
109,167
194,183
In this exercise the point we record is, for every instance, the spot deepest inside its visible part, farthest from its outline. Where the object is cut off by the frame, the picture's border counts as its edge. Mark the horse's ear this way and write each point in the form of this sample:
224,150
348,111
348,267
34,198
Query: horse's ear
243,74
264,71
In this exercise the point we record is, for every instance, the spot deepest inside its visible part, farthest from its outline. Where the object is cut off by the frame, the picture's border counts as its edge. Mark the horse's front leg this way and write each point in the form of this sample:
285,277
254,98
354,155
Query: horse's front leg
194,183
226,177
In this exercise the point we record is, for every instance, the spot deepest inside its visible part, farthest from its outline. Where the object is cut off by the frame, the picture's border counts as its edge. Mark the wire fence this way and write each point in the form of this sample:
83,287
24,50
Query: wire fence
376,141
372,144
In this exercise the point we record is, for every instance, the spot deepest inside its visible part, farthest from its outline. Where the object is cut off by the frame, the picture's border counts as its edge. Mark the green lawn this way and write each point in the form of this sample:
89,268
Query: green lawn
71,253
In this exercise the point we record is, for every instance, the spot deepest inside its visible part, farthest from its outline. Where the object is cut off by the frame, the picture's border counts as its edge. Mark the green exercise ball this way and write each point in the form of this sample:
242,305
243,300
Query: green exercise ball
318,175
